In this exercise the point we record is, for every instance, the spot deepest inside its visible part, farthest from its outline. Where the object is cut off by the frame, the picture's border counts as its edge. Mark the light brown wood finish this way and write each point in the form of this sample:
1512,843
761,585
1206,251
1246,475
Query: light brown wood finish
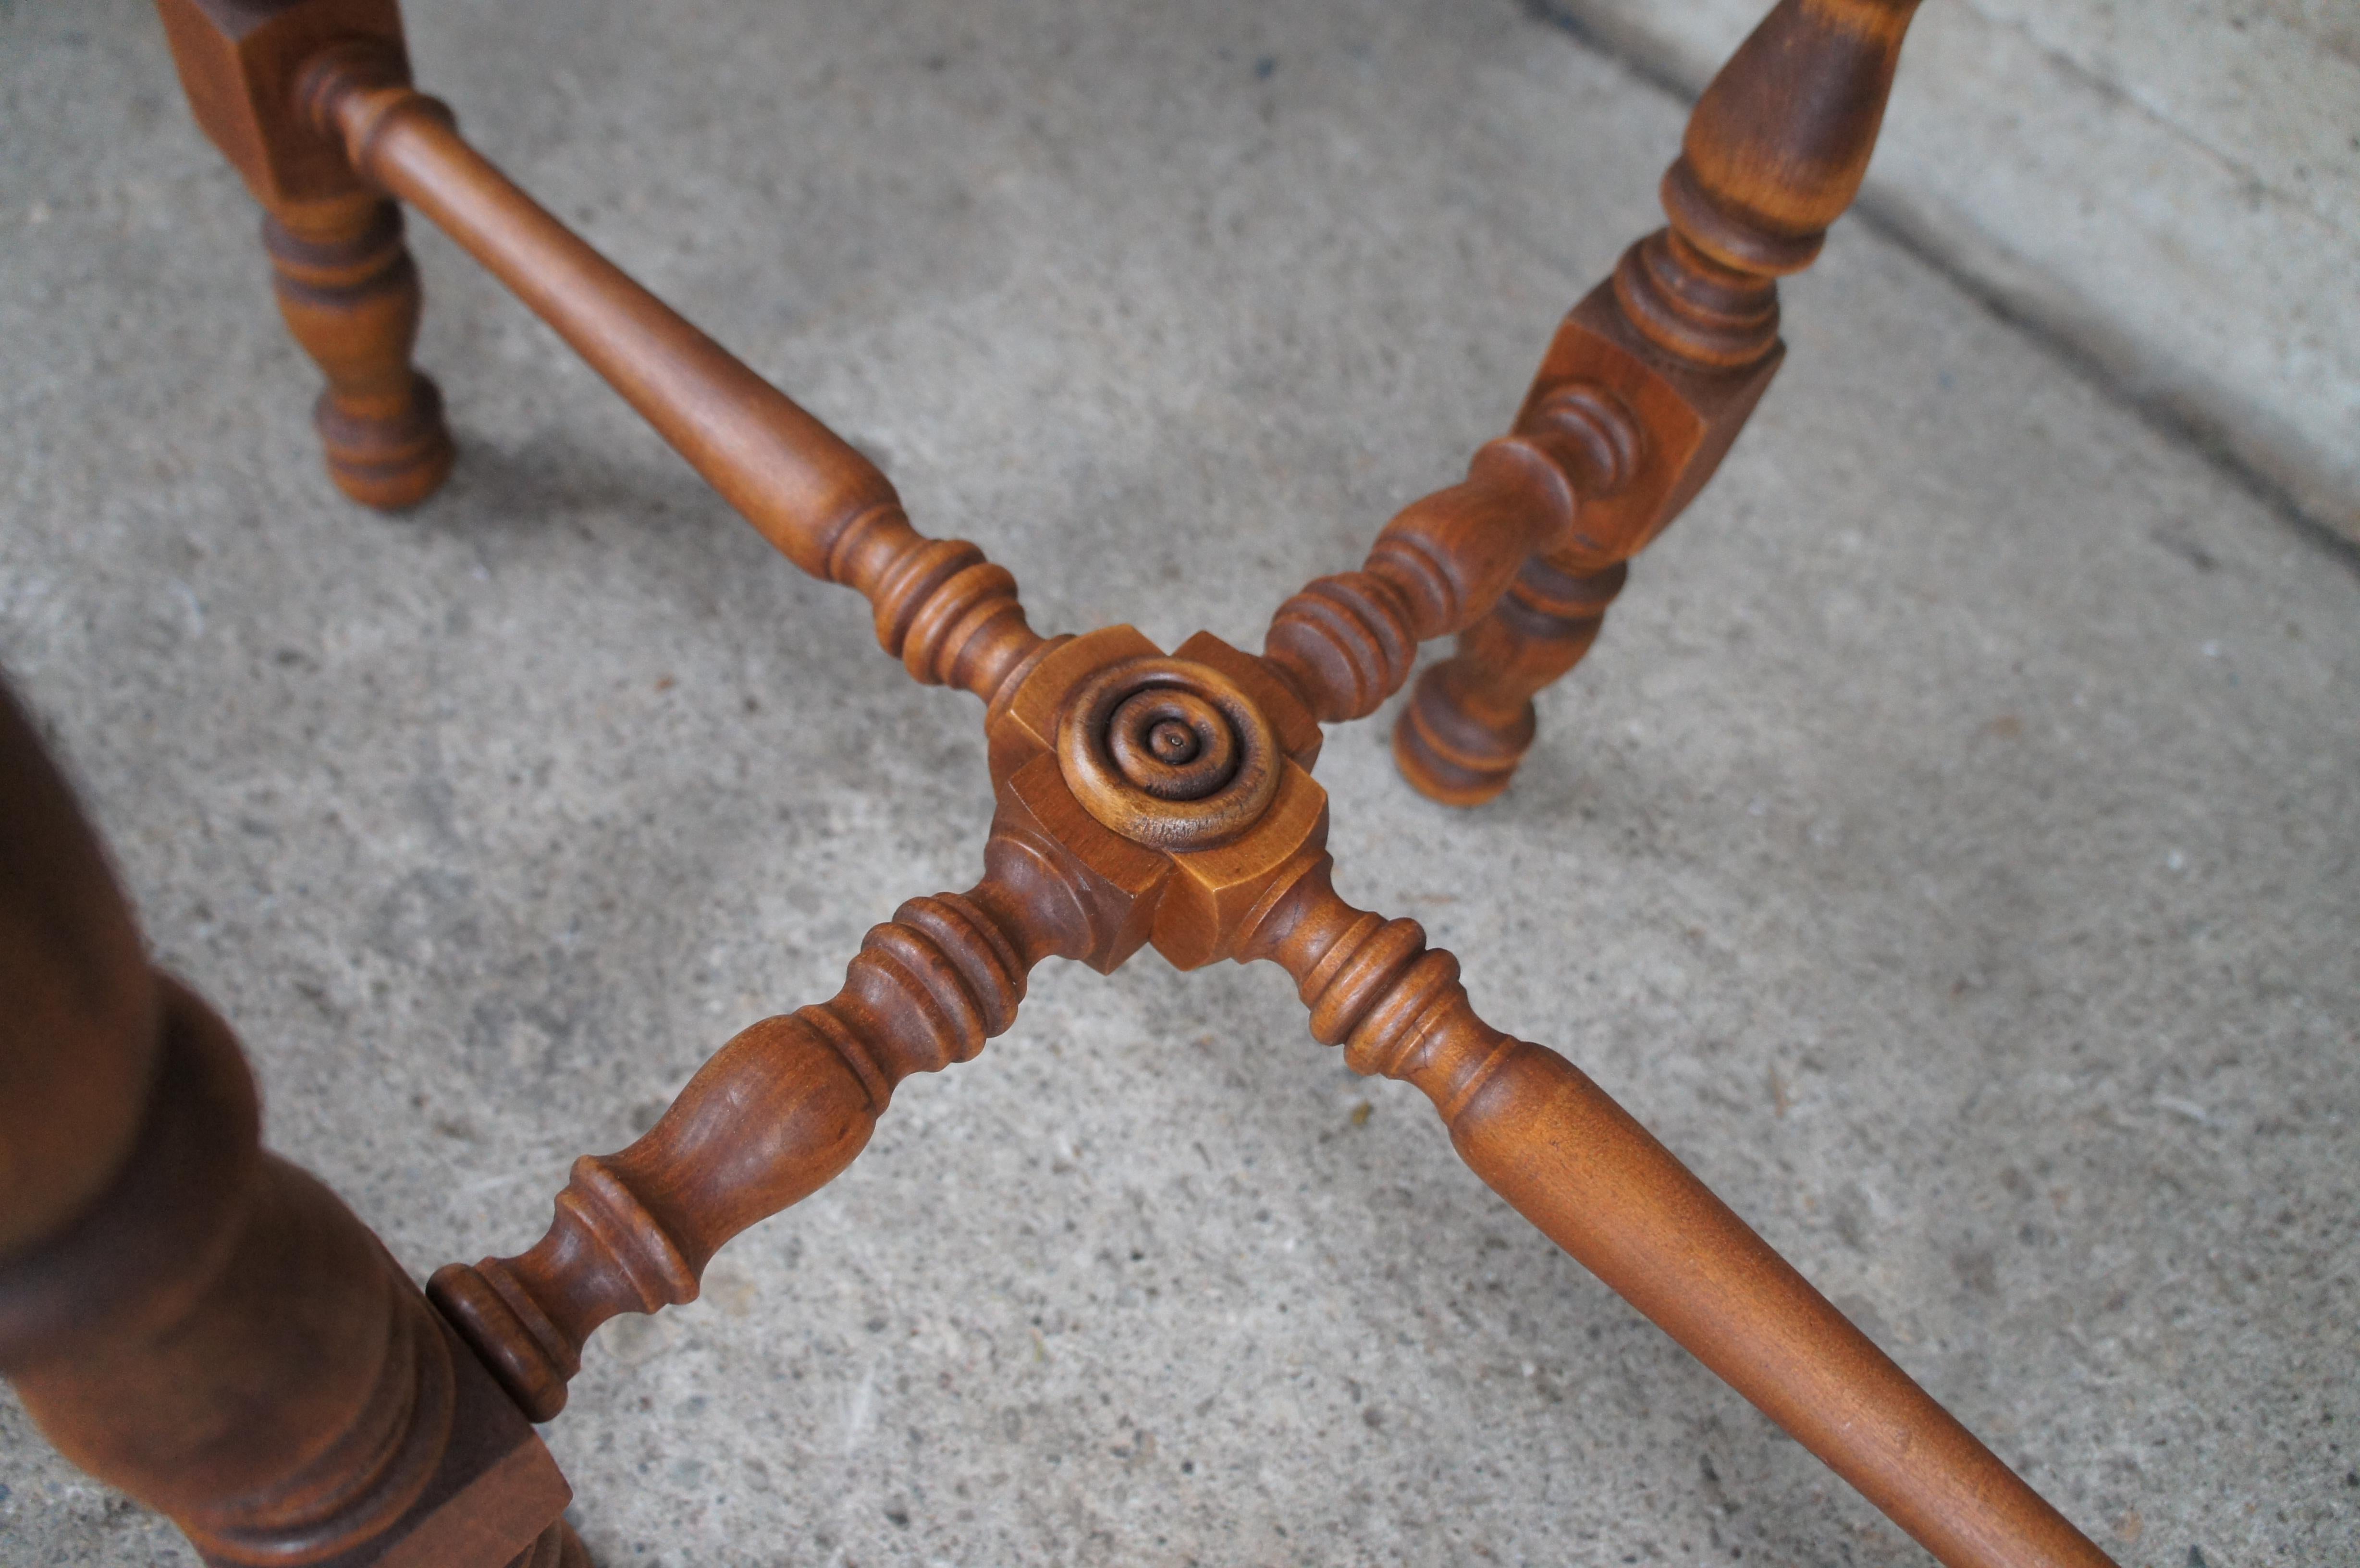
1346,643
187,1317
1143,797
1101,845
1652,376
775,1115
1596,1182
948,615
344,280
349,293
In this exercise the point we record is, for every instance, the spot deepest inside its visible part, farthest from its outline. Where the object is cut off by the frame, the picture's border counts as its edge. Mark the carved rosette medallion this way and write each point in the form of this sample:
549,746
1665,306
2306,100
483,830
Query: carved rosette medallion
1168,753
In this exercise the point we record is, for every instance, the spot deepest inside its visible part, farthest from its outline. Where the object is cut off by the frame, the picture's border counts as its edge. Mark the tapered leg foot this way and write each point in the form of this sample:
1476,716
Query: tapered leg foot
350,295
1450,755
1469,720
389,462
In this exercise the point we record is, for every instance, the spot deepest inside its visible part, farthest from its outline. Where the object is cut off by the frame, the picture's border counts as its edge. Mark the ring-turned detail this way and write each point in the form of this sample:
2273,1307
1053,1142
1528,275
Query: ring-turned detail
1168,752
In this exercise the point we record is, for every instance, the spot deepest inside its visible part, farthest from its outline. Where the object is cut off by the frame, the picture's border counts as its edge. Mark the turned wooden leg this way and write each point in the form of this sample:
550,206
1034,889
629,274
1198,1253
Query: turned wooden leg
1141,797
1469,720
349,292
345,280
187,1317
1653,375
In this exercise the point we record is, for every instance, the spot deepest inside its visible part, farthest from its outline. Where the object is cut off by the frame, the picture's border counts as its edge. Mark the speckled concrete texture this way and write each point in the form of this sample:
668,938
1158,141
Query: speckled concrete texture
1949,850
2170,187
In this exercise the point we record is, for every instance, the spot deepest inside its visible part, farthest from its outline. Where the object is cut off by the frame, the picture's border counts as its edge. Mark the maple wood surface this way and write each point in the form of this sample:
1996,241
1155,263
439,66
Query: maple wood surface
1193,905
1775,152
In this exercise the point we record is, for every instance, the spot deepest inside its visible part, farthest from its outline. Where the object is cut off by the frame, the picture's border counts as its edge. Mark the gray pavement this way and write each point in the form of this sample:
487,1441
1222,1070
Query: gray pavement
1950,849
2170,187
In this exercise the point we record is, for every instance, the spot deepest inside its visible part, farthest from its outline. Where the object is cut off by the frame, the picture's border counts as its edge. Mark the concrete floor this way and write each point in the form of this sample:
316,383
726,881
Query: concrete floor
2169,188
1950,849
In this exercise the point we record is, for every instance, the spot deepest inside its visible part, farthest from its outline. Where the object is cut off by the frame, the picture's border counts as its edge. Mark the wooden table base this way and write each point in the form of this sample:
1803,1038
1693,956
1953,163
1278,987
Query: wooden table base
1142,796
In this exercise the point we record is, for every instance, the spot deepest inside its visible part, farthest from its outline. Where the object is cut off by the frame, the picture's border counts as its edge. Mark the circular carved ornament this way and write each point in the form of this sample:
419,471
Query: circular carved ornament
1168,753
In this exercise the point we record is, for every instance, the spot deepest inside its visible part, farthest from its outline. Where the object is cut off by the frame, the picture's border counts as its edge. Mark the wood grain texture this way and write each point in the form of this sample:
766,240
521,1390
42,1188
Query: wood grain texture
343,279
1676,347
349,294
1106,840
203,1324
1544,1137
1143,797
239,61
77,1038
951,616
776,1114
1470,721
1179,867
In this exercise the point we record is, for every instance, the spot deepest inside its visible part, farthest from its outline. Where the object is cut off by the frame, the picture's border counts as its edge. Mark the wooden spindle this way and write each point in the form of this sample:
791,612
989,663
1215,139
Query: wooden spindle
776,1114
188,1318
1557,1148
1143,797
1678,347
951,616
1345,642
